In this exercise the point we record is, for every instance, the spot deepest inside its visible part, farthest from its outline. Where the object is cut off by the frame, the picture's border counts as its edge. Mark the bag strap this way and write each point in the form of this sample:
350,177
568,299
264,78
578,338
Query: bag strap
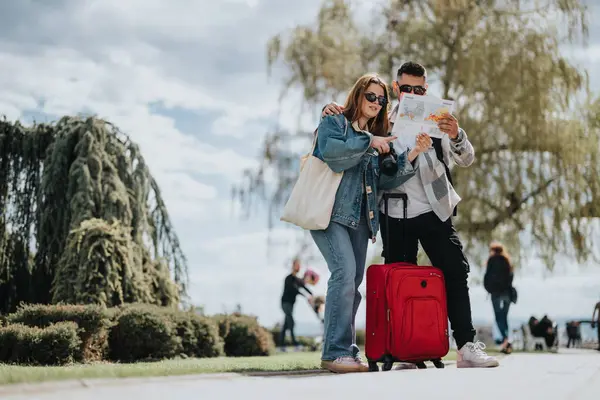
317,134
439,152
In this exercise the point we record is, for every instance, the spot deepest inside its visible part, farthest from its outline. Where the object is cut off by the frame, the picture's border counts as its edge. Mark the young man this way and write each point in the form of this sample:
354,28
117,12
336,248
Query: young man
291,289
431,203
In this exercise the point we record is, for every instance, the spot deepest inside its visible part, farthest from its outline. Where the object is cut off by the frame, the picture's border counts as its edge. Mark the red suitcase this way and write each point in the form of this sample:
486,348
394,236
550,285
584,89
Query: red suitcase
407,318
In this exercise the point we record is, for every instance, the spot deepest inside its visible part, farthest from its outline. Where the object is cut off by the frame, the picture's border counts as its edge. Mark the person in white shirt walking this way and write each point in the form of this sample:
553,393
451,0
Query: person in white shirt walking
432,201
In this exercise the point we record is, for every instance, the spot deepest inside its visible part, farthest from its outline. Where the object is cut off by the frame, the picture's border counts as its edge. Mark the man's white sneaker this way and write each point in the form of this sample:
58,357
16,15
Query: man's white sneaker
472,355
344,365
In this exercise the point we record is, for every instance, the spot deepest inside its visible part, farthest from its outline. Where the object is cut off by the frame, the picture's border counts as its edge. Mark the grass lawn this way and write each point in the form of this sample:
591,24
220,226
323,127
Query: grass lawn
291,361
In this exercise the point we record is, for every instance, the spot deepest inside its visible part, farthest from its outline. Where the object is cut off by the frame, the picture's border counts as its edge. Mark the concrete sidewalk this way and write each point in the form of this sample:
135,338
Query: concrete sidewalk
567,375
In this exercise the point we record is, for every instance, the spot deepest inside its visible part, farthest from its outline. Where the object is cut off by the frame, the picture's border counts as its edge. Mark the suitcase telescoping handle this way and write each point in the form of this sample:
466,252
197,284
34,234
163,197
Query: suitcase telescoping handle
386,198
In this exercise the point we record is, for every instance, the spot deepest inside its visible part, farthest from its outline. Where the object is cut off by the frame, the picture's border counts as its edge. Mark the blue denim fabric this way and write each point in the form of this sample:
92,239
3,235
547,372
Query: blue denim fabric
345,251
347,150
501,303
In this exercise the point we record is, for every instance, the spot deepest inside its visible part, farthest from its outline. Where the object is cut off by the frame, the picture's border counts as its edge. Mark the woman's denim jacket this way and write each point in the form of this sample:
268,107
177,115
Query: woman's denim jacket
352,153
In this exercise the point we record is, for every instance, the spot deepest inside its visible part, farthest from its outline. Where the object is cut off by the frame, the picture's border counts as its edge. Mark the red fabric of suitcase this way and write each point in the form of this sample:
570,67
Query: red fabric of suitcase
407,317
406,313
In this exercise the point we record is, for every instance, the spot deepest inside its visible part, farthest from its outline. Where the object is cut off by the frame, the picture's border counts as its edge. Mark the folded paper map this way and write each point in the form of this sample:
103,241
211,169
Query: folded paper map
418,114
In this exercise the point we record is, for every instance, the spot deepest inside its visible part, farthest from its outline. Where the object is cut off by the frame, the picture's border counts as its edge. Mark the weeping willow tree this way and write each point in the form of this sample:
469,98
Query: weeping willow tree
536,172
83,220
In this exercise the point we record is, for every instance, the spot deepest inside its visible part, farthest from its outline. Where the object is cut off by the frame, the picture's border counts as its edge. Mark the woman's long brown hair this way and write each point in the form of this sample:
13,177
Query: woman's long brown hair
379,125
498,249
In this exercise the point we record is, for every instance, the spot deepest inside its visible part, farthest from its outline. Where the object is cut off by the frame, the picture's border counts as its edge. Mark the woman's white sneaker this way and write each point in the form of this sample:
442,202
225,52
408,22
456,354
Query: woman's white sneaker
343,365
472,355
360,361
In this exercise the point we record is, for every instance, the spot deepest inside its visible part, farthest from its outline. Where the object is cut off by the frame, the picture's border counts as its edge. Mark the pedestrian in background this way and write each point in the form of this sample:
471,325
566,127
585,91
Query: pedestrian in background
498,281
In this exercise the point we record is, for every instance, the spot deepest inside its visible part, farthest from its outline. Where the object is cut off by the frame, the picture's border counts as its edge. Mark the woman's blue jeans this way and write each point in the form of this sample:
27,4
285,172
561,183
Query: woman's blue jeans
345,251
501,303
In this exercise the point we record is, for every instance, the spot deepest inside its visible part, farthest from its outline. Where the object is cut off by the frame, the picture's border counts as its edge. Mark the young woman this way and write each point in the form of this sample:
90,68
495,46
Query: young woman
498,282
351,142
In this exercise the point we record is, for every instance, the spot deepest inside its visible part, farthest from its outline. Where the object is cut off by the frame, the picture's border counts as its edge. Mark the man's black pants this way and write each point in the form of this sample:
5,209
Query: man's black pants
443,247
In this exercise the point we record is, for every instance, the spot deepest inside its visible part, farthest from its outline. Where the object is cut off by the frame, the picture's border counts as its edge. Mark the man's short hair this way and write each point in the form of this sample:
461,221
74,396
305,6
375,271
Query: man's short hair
413,69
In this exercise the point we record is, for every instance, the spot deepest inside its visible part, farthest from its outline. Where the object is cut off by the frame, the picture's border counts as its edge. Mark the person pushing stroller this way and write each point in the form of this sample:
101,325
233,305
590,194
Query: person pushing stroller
291,289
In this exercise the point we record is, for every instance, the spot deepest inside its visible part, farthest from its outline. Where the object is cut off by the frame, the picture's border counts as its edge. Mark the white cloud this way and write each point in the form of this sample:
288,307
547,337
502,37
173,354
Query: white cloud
187,198
181,20
197,190
10,111
72,81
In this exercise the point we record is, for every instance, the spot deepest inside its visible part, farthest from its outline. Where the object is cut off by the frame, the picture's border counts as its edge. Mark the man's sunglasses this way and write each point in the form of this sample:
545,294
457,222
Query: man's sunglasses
418,90
372,97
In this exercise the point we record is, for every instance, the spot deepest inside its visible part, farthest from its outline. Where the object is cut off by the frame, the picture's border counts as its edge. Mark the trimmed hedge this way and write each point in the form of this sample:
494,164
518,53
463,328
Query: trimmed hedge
132,332
57,344
189,334
243,336
140,333
92,322
199,335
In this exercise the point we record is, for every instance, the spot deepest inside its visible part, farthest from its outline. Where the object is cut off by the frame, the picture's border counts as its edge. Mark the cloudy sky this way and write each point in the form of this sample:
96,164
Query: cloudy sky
187,80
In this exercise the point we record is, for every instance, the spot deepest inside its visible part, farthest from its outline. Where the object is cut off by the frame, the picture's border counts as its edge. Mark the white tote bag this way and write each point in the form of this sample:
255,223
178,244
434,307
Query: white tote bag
311,202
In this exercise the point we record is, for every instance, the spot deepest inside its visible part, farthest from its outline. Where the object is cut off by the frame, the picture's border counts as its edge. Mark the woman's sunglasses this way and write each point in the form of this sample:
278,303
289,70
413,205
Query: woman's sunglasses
372,97
418,90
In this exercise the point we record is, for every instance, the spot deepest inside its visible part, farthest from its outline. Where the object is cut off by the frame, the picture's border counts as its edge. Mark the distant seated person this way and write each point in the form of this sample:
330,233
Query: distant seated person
543,328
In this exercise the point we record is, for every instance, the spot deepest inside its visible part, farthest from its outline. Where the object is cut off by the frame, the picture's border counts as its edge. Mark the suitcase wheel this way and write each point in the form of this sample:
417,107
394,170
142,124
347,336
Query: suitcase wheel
438,363
373,367
421,365
387,366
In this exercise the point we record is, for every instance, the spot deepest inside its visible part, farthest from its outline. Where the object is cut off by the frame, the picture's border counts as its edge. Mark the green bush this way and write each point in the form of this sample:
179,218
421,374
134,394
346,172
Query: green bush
57,344
142,333
198,336
185,331
92,321
243,336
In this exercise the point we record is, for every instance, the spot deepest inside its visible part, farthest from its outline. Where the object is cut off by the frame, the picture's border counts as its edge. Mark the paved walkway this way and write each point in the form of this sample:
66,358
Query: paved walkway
567,375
